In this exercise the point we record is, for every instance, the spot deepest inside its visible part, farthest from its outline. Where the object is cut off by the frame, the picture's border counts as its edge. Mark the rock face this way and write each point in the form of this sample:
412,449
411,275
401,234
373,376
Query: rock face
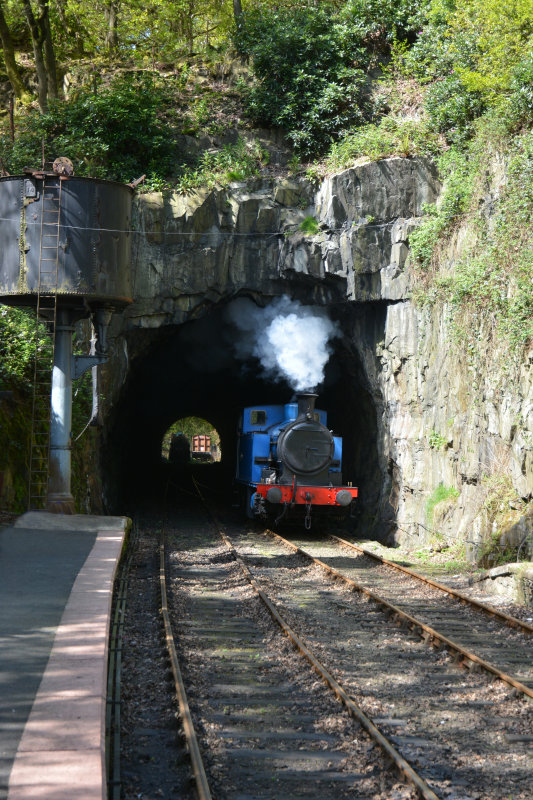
209,245
438,433
446,428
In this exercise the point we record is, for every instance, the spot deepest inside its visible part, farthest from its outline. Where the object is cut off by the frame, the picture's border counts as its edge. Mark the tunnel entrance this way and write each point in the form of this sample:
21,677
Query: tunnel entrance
191,439
192,370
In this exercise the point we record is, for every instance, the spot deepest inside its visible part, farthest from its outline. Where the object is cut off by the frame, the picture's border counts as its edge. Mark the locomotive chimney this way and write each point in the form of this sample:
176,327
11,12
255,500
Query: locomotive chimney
306,404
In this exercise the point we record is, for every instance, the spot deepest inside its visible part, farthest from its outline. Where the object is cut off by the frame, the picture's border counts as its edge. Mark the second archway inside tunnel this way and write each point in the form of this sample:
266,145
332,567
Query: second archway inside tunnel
192,370
191,439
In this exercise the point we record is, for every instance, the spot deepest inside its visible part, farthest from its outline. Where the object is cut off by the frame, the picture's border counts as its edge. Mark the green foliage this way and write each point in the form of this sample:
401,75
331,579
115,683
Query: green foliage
503,509
429,57
496,278
459,178
441,494
490,290
379,22
219,167
392,136
520,107
115,132
309,76
452,108
498,34
195,426
474,54
18,337
436,440
189,426
160,30
310,226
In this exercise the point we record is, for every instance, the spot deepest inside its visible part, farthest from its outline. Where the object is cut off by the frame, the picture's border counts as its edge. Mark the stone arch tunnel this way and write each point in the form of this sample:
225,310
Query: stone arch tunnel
192,255
191,370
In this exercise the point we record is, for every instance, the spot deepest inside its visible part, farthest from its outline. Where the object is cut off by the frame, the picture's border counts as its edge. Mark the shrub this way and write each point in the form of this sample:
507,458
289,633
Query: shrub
429,57
436,440
497,35
497,278
391,137
459,178
18,337
379,22
233,162
490,289
308,73
453,109
310,226
115,133
520,104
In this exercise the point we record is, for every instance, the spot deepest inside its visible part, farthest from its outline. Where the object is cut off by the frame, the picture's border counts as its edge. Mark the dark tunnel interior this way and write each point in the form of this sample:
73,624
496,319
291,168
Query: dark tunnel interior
191,370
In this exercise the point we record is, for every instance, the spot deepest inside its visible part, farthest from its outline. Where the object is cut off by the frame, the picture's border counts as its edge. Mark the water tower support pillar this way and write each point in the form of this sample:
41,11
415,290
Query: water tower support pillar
60,499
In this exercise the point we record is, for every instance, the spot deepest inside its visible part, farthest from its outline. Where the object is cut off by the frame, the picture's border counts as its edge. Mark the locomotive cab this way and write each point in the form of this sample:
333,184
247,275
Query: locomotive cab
288,461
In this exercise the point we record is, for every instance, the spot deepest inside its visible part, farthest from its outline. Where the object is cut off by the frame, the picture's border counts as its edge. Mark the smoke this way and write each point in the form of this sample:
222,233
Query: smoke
291,341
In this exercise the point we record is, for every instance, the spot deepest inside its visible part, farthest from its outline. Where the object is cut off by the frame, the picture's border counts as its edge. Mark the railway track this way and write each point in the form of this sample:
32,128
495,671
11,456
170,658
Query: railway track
466,735
481,635
268,729
153,758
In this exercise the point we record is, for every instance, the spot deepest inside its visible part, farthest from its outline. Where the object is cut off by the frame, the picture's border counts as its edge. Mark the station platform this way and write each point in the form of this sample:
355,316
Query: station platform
56,586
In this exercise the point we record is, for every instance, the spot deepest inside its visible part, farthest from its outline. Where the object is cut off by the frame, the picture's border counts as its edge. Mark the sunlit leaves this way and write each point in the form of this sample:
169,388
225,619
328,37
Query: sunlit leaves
308,73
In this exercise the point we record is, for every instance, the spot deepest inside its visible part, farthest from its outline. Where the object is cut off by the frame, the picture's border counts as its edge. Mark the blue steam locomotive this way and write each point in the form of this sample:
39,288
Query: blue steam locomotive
289,463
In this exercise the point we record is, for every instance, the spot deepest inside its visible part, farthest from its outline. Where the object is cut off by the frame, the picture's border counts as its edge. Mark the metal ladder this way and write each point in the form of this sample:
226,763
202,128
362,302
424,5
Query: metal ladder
45,329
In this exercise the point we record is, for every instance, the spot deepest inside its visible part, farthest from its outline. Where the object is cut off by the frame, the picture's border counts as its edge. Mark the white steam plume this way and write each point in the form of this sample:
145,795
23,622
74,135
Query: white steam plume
292,341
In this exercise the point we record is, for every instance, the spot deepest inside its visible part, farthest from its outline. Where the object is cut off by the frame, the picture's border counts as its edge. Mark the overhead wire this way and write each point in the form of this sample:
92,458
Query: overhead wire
218,233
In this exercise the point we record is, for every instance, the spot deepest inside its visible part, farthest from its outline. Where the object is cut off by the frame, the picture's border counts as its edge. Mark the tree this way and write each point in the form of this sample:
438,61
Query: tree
237,12
309,73
498,35
43,50
9,58
111,13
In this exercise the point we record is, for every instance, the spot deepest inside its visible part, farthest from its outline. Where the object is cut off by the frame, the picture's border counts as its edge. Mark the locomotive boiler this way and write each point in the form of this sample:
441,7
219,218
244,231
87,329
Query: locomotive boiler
289,463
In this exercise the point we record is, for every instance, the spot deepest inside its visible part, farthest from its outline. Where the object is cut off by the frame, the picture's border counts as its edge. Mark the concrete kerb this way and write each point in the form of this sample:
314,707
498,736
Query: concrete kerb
61,753
43,520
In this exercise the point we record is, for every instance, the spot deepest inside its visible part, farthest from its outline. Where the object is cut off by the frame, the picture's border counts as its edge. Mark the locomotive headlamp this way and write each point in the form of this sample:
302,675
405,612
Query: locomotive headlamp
344,497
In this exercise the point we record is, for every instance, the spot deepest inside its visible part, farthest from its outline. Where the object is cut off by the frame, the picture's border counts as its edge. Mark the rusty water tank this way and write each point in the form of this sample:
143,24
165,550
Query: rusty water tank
88,237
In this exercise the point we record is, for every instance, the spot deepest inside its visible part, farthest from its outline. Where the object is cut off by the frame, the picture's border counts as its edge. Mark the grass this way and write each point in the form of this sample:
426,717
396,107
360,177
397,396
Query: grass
448,561
310,226
391,136
231,164
489,291
444,561
441,494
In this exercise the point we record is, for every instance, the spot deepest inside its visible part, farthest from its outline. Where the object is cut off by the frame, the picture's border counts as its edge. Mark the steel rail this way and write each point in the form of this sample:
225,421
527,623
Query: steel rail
430,634
513,622
202,785
366,723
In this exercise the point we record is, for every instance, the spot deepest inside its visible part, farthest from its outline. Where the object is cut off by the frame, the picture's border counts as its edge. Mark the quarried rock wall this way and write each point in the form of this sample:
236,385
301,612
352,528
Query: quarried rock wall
441,436
461,443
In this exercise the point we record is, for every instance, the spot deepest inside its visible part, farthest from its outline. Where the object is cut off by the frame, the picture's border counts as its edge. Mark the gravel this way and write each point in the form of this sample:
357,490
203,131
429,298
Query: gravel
467,735
153,759
267,726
